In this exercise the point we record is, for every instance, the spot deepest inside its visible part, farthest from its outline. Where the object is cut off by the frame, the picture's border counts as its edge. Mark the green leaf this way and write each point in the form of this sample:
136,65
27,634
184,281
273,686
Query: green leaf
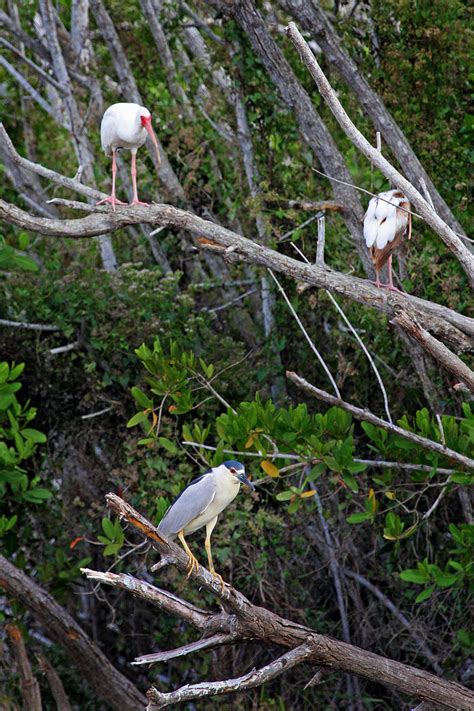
284,495
37,495
425,594
413,576
446,581
169,445
108,528
142,399
350,481
359,517
137,419
34,435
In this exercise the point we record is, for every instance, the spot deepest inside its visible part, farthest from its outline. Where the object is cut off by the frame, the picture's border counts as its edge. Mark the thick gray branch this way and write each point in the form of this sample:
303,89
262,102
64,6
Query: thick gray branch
446,324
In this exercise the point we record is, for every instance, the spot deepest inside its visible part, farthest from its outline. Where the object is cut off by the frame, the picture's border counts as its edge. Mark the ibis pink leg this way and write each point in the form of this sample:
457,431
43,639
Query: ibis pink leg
135,200
390,285
112,199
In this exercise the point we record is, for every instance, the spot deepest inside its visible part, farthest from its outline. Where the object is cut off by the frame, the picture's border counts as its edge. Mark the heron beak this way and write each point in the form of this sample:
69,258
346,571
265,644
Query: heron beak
149,129
241,477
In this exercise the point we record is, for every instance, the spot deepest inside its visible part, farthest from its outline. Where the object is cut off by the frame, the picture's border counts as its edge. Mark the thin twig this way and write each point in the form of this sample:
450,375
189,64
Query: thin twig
28,326
367,416
305,334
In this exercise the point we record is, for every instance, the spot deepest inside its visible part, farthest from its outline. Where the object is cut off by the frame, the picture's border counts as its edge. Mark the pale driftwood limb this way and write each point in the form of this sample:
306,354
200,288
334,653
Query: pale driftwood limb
445,323
39,169
381,464
321,242
108,684
367,416
65,349
97,414
55,684
448,236
28,326
314,18
215,640
163,599
247,621
438,350
29,687
38,70
25,84
409,626
256,677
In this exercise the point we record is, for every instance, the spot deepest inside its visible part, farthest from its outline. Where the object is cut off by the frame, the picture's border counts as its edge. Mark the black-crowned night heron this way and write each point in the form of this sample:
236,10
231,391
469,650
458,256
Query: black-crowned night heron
200,503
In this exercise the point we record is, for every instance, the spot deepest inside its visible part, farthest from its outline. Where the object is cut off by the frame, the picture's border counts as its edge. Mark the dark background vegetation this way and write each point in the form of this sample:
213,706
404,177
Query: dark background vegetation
270,548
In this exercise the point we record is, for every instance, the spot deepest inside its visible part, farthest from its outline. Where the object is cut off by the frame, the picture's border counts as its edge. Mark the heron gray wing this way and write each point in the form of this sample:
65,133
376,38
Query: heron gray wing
190,504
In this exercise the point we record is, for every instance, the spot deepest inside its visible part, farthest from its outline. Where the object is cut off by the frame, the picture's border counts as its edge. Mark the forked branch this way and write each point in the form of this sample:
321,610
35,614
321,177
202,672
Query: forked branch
241,620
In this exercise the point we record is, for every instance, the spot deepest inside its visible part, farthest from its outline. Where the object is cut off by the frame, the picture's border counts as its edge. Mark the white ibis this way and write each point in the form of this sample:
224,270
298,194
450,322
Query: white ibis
386,223
125,126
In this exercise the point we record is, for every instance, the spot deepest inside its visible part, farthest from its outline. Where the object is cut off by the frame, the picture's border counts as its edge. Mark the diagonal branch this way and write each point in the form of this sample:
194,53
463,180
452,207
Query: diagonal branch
256,677
449,237
248,621
215,640
439,351
445,323
367,416
108,683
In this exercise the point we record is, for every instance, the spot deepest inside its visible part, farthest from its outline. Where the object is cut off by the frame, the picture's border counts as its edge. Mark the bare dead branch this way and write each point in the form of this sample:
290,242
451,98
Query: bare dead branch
409,625
248,621
28,326
108,684
55,684
29,687
313,18
166,601
367,416
446,324
449,237
215,640
439,351
256,677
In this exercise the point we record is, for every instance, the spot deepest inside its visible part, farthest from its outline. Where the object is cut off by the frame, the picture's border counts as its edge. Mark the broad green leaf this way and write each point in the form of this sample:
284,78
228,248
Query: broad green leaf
425,594
137,419
168,444
413,576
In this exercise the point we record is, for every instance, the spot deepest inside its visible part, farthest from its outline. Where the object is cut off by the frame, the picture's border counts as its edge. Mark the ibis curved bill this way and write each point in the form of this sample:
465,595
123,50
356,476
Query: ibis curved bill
126,126
386,224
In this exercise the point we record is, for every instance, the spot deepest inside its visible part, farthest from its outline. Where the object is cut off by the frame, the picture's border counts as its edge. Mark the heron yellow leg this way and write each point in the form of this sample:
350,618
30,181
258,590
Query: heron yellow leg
207,544
193,561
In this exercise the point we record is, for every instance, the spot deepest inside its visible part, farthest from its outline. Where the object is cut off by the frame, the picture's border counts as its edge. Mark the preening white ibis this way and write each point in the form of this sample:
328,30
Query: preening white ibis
126,126
386,223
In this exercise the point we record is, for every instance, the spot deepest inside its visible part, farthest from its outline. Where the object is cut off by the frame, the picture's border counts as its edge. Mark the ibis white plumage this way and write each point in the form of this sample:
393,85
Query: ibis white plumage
386,223
125,126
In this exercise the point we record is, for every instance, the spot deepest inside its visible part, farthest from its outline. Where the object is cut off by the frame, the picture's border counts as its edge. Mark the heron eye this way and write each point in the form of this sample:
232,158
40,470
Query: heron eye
233,471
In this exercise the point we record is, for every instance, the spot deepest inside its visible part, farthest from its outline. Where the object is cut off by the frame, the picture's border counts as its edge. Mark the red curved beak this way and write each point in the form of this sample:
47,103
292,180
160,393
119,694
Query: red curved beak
146,122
